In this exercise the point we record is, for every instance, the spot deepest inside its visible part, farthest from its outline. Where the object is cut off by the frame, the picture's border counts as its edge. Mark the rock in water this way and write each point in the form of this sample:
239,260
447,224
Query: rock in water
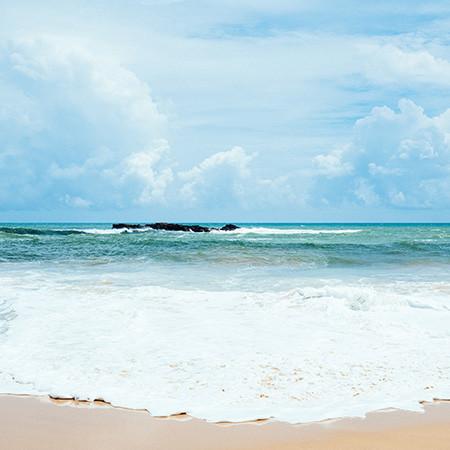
229,227
118,226
177,227
172,227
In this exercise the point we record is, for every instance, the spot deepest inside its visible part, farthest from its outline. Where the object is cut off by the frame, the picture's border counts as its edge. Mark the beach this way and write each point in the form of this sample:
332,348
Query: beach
38,423
283,324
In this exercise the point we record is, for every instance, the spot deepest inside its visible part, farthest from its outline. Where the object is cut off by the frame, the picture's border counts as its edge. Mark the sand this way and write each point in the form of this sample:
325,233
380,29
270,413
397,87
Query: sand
34,423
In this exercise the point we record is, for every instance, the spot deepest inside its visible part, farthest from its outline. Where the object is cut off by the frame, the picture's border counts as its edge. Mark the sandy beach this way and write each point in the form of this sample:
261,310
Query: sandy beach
35,423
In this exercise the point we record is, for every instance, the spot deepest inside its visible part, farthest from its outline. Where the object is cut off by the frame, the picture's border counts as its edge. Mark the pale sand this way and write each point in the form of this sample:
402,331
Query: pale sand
30,423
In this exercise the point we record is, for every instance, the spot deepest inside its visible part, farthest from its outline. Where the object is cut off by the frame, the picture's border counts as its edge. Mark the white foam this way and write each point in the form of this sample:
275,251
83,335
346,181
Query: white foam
242,230
101,230
325,349
287,231
113,230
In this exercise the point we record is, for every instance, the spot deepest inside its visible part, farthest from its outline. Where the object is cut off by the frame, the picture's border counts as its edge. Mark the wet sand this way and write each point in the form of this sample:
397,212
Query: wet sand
34,423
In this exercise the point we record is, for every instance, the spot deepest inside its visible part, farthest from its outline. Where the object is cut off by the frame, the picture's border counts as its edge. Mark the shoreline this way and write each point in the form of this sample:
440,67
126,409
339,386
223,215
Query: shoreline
101,403
40,422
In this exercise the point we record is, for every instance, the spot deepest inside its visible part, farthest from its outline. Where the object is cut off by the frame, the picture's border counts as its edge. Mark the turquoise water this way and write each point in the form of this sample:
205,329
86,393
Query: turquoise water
292,249
355,243
299,322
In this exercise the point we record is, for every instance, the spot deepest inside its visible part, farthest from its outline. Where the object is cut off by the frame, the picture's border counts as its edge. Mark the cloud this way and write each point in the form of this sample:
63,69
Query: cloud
77,128
394,64
78,118
218,179
80,131
139,167
333,164
396,158
76,202
233,180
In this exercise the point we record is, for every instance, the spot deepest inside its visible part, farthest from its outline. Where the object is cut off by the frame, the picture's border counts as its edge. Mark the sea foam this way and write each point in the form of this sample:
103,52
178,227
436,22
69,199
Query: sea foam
326,348
288,231
241,230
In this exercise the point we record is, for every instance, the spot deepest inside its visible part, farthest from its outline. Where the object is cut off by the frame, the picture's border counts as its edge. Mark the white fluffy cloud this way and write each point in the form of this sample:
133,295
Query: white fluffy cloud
218,179
140,166
395,64
397,158
333,164
76,129
82,132
80,128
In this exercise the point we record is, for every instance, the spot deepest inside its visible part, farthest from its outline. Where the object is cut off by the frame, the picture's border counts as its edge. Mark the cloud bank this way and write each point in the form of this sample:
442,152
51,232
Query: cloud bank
80,132
76,129
396,158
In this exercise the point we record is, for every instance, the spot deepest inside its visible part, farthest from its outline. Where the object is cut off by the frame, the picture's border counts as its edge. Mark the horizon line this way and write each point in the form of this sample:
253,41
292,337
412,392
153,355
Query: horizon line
236,222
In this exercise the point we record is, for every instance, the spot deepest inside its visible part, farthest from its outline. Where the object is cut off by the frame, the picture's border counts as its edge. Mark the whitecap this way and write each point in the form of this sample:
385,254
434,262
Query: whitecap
288,231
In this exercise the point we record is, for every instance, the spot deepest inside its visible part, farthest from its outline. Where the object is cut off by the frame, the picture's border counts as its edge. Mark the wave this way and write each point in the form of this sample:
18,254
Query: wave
242,230
38,231
287,231
108,231
103,231
227,355
23,231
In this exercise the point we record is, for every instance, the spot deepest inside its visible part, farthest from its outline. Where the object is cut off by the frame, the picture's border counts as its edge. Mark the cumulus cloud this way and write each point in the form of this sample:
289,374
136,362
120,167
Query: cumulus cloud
76,128
396,158
391,63
218,179
333,164
83,131
80,131
140,167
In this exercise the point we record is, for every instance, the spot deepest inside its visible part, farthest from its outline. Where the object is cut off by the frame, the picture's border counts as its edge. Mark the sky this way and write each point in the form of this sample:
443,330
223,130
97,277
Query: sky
225,111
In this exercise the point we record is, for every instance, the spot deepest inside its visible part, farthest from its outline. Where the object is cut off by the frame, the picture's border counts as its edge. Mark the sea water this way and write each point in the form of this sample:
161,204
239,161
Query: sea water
297,322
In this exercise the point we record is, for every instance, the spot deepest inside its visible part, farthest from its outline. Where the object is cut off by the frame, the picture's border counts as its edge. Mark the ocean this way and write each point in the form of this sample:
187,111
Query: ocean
297,322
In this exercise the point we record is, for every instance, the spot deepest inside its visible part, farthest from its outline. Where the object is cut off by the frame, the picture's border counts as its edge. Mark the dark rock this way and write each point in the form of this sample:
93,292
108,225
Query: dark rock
199,229
166,226
126,225
173,227
177,227
229,227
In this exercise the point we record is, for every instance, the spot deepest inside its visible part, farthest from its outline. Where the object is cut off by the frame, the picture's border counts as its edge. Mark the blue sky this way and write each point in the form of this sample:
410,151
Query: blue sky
224,110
